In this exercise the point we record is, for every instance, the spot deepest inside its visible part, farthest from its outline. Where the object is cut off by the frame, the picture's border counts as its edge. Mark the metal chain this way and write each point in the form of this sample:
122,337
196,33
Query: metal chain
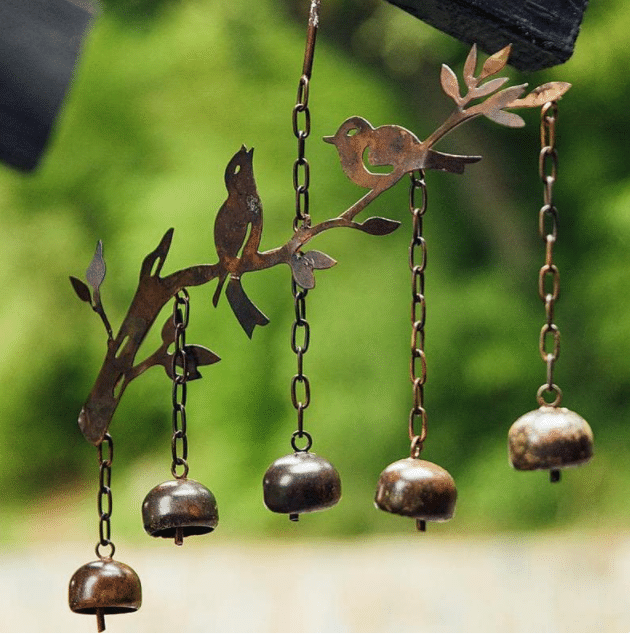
180,388
417,265
104,498
301,118
549,276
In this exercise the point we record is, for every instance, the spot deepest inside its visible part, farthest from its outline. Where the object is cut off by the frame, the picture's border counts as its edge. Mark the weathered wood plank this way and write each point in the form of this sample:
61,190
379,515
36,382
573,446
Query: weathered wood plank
542,32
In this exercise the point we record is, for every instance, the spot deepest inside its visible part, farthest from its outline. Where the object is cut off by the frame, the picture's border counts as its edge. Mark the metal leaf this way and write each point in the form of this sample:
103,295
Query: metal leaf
201,355
378,226
499,100
470,66
508,119
302,271
495,63
81,289
450,85
95,273
319,260
551,91
489,87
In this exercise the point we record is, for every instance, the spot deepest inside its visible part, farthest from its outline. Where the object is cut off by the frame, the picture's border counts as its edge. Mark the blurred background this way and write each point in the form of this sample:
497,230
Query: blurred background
164,94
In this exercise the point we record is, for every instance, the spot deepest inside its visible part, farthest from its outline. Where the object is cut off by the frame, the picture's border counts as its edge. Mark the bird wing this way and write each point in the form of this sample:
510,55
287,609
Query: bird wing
454,163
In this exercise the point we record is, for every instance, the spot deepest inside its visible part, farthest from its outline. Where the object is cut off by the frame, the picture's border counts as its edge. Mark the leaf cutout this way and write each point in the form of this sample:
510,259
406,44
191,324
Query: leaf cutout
495,63
319,260
470,66
81,289
498,101
378,226
509,119
450,85
96,271
201,355
551,91
302,271
488,88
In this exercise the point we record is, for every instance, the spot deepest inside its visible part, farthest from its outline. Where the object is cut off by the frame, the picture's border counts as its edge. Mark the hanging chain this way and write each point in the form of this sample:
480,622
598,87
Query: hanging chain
181,316
549,276
301,118
104,499
417,265
300,403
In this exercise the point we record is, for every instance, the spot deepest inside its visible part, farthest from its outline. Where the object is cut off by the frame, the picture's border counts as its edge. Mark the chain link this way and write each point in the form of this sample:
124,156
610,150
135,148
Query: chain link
549,275
417,266
179,441
104,498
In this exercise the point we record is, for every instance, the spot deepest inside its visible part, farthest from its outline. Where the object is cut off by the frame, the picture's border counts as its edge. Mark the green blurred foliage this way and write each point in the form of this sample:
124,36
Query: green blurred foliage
164,95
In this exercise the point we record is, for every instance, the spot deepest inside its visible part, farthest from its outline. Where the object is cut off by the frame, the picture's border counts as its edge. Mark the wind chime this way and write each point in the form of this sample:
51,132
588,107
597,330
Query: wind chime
303,482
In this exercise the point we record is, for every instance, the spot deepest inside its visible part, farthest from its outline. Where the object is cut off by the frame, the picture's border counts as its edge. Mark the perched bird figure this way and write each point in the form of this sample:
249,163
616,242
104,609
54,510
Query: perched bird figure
358,142
240,213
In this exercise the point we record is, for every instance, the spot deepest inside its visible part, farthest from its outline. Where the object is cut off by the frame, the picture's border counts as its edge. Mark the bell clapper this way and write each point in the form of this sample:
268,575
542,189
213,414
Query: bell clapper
179,536
100,620
554,475
294,517
421,525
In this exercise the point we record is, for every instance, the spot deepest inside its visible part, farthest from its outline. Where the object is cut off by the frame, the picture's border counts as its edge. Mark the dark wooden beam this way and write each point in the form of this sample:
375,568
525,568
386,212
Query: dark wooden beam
542,32
39,45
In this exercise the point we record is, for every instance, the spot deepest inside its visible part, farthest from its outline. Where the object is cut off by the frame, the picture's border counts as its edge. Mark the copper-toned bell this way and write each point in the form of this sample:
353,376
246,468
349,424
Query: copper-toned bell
179,508
417,488
301,482
104,587
550,438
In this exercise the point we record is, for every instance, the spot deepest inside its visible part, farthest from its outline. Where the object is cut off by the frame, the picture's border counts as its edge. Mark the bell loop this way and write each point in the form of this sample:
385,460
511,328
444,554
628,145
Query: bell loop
303,434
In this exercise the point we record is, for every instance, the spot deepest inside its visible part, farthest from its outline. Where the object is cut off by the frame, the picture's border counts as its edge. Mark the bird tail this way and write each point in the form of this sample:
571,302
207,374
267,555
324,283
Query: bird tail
248,315
217,293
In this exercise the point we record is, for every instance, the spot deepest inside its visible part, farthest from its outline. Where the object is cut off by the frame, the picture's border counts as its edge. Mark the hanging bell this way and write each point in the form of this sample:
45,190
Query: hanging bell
550,438
417,488
104,587
301,482
179,508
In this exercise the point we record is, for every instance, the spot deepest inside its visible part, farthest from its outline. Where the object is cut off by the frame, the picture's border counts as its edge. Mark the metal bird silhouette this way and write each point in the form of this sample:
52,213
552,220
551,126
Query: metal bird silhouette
389,145
240,213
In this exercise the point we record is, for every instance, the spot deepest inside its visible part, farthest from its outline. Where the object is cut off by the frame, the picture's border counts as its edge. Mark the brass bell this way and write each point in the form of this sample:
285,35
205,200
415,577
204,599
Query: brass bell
550,438
179,508
301,482
417,488
104,587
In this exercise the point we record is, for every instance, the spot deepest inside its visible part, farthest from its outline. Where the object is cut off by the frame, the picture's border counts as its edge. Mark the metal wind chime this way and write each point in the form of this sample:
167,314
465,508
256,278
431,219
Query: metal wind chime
303,482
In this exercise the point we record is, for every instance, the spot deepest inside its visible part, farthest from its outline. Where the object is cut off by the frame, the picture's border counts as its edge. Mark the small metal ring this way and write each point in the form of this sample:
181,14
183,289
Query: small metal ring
309,441
111,554
546,388
177,463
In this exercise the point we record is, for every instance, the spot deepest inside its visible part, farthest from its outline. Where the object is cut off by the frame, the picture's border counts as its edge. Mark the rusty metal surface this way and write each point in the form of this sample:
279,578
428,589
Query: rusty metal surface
383,146
301,482
179,508
550,438
417,488
104,587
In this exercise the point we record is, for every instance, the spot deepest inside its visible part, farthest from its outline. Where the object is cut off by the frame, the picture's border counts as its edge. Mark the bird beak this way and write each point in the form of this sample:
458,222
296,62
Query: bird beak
329,139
